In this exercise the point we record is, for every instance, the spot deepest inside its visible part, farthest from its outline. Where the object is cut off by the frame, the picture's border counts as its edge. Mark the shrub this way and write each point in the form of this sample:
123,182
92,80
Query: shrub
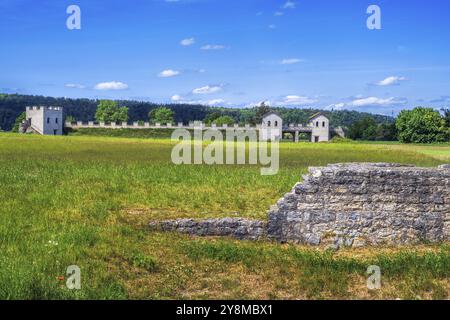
141,260
19,120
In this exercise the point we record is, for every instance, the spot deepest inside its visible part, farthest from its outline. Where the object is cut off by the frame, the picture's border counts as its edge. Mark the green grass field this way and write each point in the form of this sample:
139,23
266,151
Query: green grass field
87,200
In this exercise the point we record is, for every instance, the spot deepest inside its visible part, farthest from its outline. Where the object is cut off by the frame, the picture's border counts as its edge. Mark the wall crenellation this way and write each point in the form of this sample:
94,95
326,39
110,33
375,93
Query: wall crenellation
43,108
146,125
270,129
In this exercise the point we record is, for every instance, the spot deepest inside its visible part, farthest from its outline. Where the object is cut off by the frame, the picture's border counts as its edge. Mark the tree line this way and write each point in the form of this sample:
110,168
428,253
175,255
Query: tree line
419,125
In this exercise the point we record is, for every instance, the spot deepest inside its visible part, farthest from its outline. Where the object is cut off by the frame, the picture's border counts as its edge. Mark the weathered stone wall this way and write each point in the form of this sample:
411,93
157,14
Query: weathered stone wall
365,204
234,227
352,204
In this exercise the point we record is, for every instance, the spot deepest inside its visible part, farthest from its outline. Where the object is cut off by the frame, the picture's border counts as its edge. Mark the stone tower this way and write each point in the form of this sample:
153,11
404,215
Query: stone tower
43,120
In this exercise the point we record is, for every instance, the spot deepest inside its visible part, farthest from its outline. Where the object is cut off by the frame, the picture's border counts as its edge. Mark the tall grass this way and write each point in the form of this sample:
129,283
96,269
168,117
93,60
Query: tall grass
86,200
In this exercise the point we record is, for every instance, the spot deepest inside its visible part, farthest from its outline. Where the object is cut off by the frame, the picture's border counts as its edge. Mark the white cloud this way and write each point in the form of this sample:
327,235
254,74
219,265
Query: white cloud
213,47
213,102
296,100
336,106
255,104
207,90
289,5
168,73
272,26
176,97
441,100
74,86
390,81
374,101
187,42
291,61
371,104
113,85
278,14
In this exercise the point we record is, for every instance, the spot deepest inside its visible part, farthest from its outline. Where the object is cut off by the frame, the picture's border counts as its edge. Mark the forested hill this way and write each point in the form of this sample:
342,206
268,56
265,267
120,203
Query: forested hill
11,105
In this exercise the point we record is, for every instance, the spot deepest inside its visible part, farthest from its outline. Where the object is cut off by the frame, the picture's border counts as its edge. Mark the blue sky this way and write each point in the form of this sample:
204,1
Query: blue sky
296,53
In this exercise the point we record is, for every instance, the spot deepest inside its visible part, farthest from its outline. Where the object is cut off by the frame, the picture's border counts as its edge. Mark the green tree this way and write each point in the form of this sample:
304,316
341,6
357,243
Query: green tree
368,129
261,110
109,111
246,115
421,125
211,117
70,119
386,132
18,121
446,117
364,129
224,120
161,115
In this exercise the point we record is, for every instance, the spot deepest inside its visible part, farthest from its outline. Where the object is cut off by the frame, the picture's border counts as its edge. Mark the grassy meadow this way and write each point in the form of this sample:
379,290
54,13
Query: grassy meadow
86,201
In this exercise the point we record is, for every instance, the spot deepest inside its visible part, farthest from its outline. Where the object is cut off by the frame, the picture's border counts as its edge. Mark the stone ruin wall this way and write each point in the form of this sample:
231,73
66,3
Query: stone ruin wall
365,204
353,204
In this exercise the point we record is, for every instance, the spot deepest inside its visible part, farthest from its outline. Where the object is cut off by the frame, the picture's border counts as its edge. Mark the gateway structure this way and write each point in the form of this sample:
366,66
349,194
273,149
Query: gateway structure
318,129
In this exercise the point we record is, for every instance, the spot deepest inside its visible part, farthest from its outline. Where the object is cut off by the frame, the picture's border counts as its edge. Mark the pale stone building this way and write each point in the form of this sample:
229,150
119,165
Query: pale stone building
43,120
271,127
320,126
